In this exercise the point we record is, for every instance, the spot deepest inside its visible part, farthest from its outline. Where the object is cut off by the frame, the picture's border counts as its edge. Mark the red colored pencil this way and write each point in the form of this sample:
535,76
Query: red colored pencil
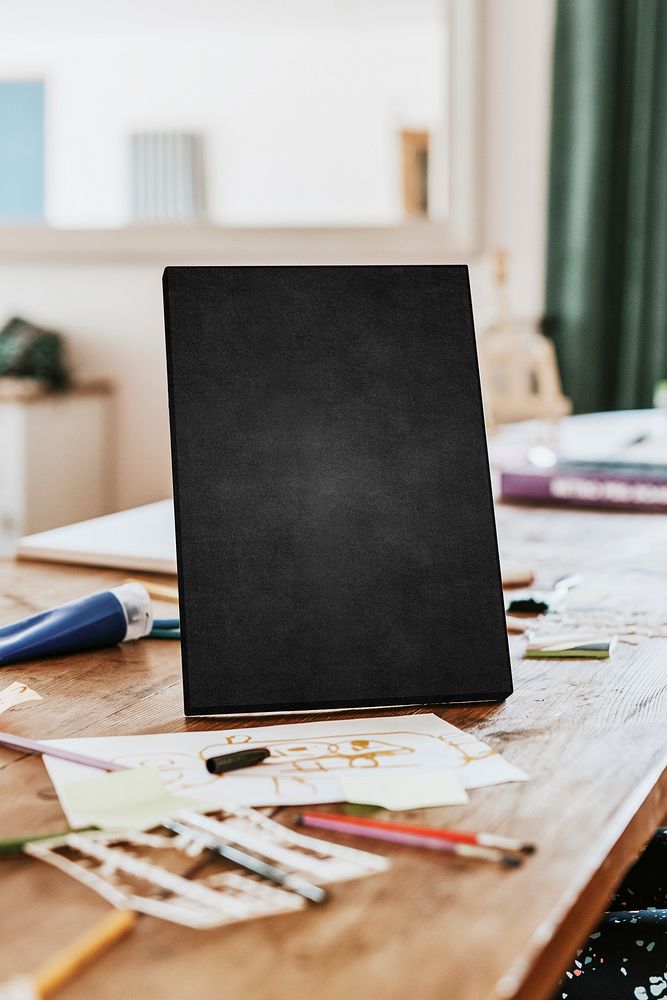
451,836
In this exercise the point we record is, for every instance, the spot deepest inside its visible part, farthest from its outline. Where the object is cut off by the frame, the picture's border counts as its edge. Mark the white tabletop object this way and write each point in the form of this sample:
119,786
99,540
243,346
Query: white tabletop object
138,539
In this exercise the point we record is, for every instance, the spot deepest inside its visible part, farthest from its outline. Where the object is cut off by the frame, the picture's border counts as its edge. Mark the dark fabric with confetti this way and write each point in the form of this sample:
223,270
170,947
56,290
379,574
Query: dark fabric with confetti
626,957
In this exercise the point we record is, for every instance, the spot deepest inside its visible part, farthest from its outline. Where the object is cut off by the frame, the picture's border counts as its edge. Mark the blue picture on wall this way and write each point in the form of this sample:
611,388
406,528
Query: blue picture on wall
21,151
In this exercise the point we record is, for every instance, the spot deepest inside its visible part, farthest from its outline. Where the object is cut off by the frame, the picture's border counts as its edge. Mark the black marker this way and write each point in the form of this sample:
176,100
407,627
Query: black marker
234,761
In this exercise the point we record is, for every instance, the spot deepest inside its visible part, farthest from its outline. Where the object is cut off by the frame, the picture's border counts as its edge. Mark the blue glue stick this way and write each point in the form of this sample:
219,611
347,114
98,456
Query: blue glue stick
103,619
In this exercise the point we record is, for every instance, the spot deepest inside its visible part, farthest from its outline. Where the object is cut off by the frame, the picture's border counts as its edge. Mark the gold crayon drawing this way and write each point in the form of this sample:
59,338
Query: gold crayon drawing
298,762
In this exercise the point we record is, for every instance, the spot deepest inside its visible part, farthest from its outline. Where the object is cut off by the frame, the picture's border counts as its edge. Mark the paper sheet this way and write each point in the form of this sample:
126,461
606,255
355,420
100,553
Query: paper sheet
307,760
567,640
405,791
15,694
135,799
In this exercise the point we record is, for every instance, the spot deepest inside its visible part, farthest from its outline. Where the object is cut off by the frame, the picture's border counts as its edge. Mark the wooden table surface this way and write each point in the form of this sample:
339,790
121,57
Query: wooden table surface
591,735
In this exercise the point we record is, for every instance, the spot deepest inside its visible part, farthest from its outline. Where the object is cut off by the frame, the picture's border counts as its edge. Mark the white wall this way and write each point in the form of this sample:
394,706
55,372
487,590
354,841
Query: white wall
300,105
113,315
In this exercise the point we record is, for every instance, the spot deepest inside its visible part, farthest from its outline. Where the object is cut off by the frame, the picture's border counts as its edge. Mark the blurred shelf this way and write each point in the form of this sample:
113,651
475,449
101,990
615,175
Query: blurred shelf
416,241
28,390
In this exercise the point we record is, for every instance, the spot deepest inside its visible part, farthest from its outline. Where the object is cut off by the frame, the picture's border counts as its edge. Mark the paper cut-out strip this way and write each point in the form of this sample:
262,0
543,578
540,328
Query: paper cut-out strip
114,873
322,861
108,864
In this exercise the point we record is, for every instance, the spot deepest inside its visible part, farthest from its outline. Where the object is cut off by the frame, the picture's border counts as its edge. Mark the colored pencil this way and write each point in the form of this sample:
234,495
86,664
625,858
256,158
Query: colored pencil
57,971
355,826
14,845
160,591
457,836
34,746
518,625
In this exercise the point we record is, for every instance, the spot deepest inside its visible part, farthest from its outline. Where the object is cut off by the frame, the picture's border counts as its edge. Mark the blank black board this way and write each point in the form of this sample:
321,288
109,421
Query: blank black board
334,521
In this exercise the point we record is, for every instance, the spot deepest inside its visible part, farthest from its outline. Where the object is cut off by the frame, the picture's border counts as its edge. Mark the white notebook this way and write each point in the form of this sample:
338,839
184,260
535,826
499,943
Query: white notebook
138,539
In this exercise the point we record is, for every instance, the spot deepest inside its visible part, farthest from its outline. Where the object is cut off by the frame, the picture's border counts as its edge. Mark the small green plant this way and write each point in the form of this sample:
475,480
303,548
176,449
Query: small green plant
30,352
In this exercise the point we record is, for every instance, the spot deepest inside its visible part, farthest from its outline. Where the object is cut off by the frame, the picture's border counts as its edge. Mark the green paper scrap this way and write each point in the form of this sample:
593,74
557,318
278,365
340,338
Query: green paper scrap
133,799
569,647
357,809
398,792
573,653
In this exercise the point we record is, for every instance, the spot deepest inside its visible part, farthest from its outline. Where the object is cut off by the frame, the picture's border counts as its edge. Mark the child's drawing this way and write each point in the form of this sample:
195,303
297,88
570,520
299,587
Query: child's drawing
330,754
306,761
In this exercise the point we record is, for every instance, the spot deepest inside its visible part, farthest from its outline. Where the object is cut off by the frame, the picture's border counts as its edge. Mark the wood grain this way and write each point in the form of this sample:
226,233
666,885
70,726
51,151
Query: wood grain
591,735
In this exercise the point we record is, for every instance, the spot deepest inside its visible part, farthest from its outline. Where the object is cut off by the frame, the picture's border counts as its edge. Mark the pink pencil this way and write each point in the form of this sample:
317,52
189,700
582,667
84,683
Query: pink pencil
458,836
33,746
408,839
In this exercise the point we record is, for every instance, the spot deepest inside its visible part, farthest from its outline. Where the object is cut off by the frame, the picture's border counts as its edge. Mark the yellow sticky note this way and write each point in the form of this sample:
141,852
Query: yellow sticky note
404,791
135,799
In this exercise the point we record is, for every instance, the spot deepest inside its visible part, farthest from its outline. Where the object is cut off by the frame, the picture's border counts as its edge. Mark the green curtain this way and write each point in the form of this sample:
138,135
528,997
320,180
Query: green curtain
606,293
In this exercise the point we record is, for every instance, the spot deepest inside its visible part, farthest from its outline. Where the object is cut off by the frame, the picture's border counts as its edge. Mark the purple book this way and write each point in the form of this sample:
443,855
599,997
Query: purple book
585,486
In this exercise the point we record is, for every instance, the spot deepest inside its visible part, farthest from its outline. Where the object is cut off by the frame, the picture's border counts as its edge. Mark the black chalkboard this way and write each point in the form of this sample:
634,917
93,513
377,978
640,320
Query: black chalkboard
334,522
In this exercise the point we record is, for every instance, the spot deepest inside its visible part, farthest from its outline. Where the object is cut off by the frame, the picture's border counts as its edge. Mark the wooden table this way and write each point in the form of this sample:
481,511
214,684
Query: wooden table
591,735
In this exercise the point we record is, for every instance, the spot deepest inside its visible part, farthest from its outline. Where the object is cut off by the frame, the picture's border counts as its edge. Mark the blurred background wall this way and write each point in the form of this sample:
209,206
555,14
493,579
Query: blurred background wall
256,87
109,303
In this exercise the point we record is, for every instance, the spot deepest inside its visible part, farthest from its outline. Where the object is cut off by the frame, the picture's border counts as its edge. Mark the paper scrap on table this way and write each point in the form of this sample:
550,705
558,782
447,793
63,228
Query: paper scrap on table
135,799
584,598
568,646
405,791
15,694
307,761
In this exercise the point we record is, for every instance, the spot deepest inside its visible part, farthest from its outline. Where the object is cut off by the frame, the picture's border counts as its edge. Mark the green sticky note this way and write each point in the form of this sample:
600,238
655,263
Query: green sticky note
135,799
396,791
354,809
